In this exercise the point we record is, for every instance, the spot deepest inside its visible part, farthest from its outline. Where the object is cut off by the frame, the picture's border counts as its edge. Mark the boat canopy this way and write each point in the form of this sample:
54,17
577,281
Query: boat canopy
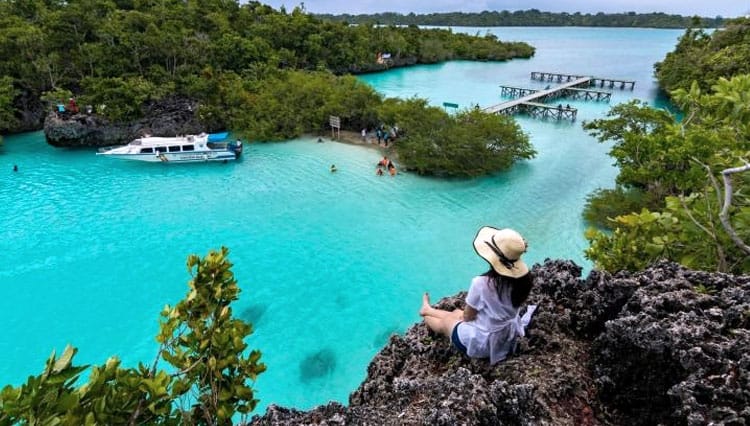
215,137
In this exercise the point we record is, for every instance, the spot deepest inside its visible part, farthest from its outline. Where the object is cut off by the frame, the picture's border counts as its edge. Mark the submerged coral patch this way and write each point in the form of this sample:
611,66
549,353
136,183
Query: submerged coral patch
253,313
318,364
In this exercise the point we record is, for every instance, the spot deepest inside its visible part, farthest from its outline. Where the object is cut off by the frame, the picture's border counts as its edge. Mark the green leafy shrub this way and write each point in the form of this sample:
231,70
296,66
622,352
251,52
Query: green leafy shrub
705,58
120,99
470,143
207,382
679,164
7,110
704,289
603,205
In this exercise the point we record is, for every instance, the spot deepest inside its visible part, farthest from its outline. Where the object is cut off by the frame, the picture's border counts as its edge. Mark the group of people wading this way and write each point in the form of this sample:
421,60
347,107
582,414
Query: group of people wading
387,164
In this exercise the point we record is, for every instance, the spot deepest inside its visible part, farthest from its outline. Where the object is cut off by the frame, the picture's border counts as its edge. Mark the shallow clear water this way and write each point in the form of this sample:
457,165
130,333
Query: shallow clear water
330,265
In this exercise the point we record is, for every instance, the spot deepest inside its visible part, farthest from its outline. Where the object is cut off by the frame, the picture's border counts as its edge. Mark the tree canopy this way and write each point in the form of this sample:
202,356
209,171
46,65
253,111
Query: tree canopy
266,74
530,17
682,188
702,218
123,51
469,143
704,57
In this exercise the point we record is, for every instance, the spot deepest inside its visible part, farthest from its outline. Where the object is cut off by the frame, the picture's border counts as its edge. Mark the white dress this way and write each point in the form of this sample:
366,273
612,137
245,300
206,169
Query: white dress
493,333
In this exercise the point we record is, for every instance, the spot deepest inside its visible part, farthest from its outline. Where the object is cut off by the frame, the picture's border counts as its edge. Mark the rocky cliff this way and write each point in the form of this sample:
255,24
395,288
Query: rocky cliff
663,346
168,117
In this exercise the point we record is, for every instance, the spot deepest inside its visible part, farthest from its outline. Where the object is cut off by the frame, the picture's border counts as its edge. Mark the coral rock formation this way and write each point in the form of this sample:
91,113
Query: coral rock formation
168,117
663,346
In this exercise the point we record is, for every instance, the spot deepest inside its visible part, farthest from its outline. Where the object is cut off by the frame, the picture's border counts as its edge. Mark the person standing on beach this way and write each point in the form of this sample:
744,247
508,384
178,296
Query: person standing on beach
364,135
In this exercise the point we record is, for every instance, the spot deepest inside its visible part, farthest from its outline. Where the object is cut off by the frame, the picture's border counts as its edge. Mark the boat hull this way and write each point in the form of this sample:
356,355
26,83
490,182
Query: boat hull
178,149
175,157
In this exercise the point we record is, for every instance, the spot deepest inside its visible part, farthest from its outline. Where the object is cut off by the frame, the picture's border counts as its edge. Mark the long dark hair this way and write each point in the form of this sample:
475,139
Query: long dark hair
519,287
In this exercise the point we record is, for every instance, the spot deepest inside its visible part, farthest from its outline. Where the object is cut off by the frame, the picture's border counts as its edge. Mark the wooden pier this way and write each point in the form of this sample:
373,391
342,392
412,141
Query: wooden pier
558,112
571,86
515,92
587,94
570,92
610,83
530,103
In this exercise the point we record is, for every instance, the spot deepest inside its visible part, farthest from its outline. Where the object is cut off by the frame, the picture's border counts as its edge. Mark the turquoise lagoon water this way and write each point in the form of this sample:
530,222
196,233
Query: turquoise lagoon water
330,265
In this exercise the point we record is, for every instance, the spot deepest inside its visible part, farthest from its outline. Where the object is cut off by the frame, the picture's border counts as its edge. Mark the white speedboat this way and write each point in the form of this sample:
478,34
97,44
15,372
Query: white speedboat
178,149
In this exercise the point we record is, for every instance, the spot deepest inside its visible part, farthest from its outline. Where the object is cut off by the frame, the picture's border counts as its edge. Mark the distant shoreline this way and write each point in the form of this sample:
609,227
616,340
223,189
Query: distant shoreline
532,18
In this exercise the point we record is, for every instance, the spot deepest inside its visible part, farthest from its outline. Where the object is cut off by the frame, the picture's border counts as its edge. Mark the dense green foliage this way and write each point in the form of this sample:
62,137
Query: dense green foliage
266,74
287,104
121,53
681,163
704,58
604,204
7,94
671,170
651,154
531,17
469,143
207,382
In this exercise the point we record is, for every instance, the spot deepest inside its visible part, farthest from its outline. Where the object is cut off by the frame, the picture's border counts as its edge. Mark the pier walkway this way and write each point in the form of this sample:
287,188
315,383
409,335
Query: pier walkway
572,86
530,102
594,81
570,92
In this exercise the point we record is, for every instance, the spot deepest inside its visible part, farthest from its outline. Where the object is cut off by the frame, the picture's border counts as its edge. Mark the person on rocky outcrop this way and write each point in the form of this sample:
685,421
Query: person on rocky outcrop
72,106
490,324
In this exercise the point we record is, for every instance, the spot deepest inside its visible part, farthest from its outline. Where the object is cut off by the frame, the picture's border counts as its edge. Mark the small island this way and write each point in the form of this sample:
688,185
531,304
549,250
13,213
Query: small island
267,75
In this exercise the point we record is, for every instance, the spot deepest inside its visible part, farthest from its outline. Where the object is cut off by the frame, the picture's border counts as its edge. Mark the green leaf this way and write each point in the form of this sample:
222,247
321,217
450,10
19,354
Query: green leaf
65,359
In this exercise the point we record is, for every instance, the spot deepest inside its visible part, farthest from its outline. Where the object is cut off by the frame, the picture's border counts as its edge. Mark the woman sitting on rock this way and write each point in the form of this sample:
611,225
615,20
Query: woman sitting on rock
490,324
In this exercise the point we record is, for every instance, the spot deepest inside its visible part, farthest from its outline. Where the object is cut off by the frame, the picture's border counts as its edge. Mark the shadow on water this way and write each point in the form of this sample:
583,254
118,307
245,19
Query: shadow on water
316,365
382,338
340,301
253,313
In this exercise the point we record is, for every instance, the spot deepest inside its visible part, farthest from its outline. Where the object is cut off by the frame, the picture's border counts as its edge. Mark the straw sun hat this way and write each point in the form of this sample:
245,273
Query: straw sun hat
502,249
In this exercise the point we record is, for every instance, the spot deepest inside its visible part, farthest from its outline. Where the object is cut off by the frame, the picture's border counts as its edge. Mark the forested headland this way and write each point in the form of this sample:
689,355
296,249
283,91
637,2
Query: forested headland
265,74
528,18
682,188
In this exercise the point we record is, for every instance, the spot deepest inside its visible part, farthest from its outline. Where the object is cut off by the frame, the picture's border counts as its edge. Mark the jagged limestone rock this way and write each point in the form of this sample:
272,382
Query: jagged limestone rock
168,117
662,346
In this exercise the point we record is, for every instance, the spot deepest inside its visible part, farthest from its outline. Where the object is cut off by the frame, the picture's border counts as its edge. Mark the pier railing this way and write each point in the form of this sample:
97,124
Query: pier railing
570,86
594,81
